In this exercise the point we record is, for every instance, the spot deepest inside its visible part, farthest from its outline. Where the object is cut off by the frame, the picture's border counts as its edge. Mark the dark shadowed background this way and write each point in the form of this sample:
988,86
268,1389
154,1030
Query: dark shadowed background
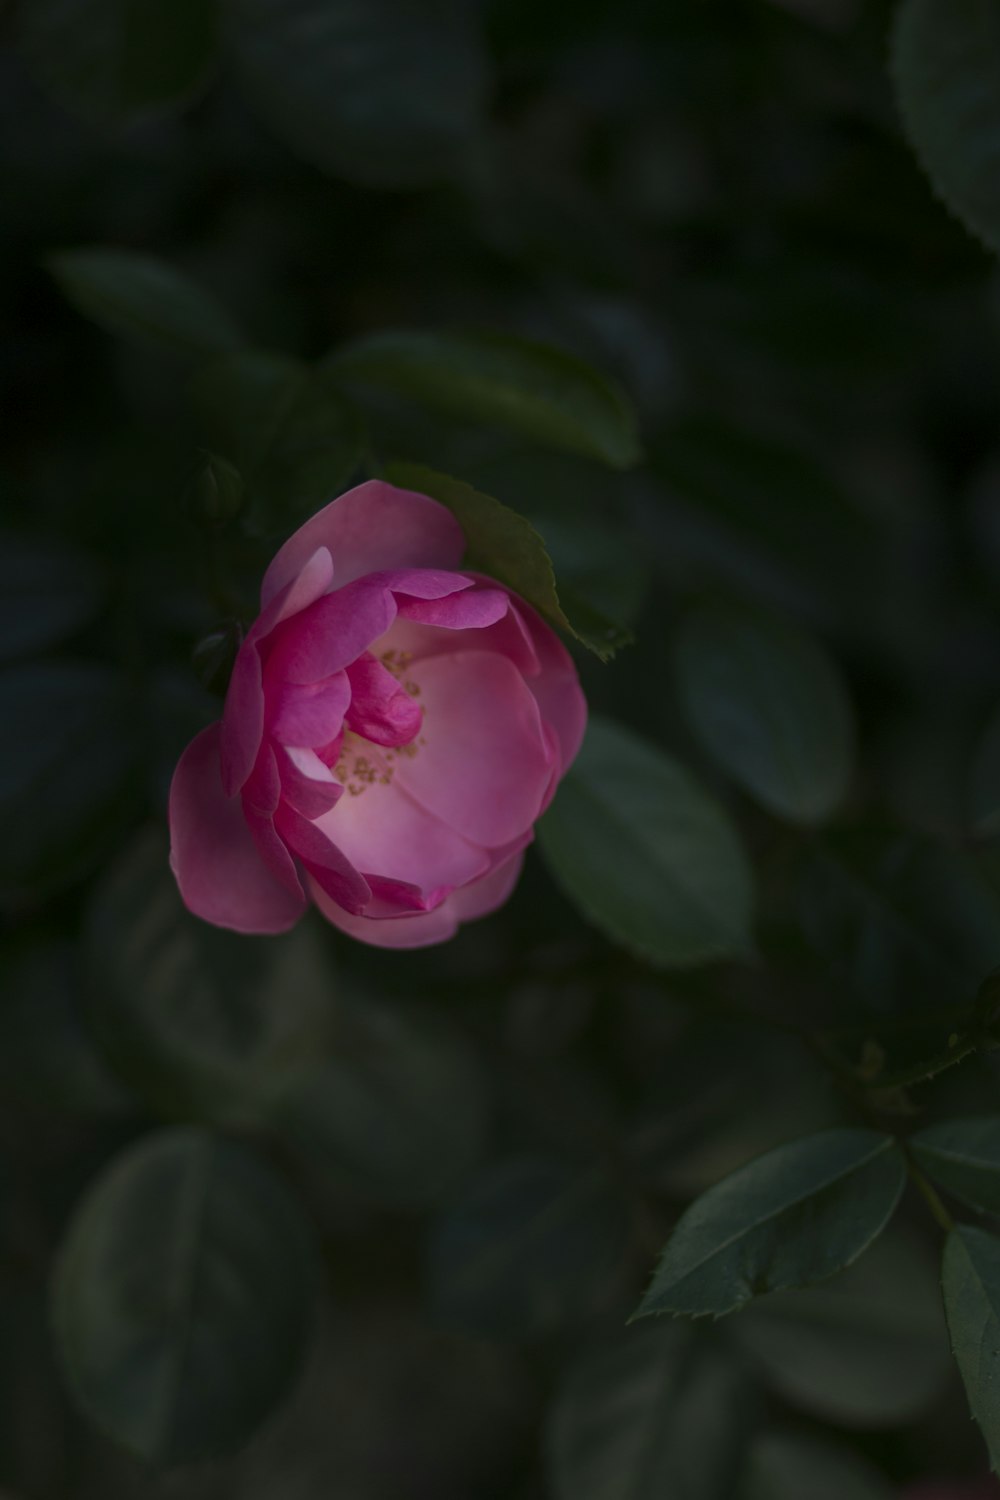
444,1177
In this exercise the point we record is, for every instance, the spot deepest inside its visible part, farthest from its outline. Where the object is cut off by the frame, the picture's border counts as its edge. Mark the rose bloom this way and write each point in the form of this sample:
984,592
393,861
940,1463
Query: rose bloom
393,728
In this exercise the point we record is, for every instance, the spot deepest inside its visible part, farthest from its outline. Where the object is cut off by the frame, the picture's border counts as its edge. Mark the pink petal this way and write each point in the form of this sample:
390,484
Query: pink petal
271,848
307,714
332,633
242,718
391,898
473,610
424,583
485,895
423,929
557,687
509,637
307,586
243,715
381,710
485,766
420,930
307,784
372,527
384,832
219,873
326,864
262,791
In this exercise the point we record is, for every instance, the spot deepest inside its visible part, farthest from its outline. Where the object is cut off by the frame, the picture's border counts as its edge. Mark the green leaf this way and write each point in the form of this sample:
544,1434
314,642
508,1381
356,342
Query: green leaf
532,1246
144,300
48,592
382,92
791,1217
113,61
68,758
395,1108
201,1022
295,441
184,1296
768,705
659,1412
866,1349
533,389
945,64
964,1157
506,546
648,856
971,1283
786,1466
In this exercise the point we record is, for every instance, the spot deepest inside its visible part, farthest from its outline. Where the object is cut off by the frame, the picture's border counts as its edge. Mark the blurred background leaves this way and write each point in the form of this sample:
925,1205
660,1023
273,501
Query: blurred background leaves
256,252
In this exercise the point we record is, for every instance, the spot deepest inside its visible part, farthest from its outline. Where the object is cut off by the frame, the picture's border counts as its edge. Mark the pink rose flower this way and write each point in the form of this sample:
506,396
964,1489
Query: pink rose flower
392,730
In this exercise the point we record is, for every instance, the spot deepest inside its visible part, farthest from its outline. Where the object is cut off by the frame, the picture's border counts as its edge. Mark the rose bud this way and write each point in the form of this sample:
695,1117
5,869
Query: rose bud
392,730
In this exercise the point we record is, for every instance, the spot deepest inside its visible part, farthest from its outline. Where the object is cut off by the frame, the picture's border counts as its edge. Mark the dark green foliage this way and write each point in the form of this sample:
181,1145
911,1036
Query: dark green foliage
677,308
161,1265
790,1218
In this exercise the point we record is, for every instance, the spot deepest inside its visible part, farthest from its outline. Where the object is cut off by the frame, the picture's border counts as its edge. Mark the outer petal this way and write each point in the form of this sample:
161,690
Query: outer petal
273,850
423,929
420,930
557,686
485,766
213,855
243,715
242,718
489,893
372,527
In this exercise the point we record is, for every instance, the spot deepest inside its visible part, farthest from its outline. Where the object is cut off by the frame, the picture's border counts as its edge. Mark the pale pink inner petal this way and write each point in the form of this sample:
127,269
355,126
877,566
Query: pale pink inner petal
481,764
381,709
374,526
306,714
508,637
384,832
219,872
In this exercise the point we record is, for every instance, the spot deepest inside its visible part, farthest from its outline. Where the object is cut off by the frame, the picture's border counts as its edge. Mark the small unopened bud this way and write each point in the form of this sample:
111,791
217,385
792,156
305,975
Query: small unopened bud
215,494
214,655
